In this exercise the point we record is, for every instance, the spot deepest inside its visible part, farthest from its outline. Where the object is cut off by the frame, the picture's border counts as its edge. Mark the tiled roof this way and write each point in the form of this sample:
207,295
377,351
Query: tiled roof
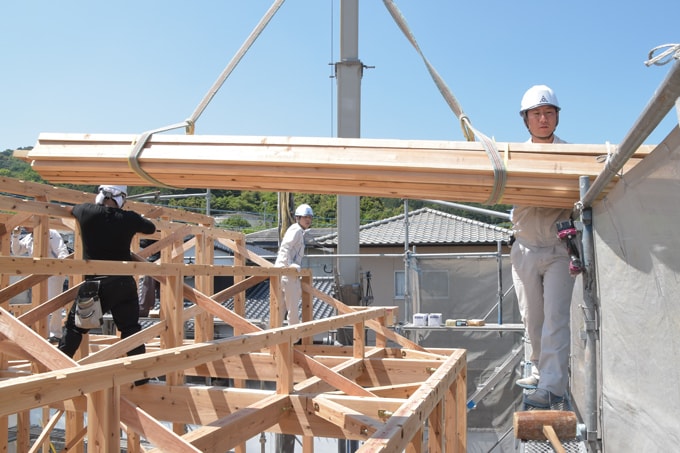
270,236
251,247
257,302
425,227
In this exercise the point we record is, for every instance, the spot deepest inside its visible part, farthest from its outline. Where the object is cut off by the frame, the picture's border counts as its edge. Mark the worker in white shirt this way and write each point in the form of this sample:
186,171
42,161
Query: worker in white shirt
541,271
291,252
55,284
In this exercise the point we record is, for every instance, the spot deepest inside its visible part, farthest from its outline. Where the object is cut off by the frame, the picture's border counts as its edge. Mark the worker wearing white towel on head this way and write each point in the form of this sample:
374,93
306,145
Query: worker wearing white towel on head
107,231
540,269
55,284
291,252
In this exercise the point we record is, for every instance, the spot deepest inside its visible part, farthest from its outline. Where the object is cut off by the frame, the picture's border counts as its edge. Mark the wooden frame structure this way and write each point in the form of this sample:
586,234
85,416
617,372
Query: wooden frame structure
387,395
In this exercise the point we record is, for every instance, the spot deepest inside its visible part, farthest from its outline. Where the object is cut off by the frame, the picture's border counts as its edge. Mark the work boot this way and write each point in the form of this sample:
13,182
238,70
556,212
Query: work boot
531,381
542,399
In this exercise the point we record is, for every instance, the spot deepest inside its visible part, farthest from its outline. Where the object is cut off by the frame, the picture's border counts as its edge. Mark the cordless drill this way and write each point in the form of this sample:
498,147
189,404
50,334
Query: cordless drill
567,232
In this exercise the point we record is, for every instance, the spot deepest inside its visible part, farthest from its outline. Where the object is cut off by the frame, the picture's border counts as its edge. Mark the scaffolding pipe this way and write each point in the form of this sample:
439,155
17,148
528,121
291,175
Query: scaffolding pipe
407,262
590,326
656,110
491,212
499,260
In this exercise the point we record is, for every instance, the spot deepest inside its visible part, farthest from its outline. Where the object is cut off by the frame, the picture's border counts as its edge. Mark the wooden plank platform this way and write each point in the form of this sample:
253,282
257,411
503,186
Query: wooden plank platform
537,174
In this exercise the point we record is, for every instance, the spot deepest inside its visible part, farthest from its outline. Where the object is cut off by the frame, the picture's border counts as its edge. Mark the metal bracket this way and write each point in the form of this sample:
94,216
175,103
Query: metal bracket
587,216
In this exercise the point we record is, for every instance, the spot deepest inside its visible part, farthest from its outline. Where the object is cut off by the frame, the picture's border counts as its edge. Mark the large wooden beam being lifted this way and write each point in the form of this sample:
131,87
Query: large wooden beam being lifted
537,174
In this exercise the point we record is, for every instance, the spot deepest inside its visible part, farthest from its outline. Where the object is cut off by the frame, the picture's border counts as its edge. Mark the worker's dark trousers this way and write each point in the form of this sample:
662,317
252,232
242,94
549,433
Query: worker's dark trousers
118,295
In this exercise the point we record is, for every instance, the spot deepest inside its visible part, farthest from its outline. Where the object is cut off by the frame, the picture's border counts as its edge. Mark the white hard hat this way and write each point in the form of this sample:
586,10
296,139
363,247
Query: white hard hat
304,210
537,96
115,190
116,193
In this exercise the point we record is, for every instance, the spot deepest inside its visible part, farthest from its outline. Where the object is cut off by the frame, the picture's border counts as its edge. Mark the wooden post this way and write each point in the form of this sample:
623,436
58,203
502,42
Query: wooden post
41,249
103,420
359,341
239,309
4,428
284,368
307,312
456,415
307,444
435,431
380,339
275,302
204,328
172,307
75,421
416,444
23,430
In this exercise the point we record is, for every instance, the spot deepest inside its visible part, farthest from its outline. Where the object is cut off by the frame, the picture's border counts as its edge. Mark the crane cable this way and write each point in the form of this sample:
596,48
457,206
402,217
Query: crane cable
189,123
499,169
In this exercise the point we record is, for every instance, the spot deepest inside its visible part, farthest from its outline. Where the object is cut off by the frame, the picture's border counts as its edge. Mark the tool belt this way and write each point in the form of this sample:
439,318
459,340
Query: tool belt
88,312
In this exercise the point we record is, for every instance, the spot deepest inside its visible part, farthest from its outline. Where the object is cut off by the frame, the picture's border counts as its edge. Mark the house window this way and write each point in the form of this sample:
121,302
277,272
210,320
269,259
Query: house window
399,284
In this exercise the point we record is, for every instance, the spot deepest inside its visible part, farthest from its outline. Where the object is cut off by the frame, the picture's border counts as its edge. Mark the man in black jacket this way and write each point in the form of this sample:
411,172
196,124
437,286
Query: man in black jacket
107,231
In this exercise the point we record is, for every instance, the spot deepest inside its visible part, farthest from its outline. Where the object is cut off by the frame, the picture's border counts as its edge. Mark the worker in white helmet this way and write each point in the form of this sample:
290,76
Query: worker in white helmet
291,252
540,269
107,231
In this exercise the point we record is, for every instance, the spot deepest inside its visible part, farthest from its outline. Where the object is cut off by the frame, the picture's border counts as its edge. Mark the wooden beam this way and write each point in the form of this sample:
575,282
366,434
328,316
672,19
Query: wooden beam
456,171
371,323
224,434
32,343
70,196
44,437
331,377
346,418
141,422
52,386
404,423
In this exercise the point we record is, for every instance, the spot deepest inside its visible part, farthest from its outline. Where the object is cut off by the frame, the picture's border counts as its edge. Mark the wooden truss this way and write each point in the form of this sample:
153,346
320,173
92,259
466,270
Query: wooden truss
535,174
393,395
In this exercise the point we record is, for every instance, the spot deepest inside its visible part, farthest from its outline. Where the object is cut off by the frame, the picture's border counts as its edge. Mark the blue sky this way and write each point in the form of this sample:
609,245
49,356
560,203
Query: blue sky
132,66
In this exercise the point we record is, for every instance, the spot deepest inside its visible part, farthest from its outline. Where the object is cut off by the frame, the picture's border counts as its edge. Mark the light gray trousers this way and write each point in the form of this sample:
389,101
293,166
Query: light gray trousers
544,289
292,292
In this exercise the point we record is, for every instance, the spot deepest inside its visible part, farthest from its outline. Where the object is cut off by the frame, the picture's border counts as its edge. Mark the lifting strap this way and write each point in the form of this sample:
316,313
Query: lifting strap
189,123
499,170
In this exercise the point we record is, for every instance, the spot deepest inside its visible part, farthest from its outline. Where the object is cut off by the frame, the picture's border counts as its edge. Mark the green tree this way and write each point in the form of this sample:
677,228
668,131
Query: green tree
235,223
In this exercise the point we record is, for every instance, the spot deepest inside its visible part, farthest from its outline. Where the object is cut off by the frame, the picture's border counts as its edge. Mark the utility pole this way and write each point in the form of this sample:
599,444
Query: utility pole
348,73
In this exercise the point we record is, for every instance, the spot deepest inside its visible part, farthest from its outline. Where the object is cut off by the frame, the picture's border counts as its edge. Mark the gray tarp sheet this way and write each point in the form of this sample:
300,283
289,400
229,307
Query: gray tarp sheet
637,242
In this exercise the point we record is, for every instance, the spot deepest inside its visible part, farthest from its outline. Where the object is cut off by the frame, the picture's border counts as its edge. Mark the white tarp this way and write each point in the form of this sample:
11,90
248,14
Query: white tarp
637,242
